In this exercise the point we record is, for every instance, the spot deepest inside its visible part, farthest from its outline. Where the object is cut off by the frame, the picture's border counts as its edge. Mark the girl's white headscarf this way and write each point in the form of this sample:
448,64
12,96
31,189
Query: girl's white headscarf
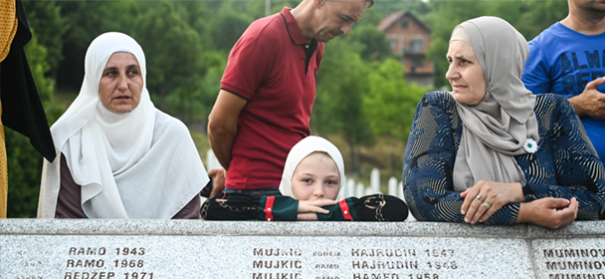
110,155
303,149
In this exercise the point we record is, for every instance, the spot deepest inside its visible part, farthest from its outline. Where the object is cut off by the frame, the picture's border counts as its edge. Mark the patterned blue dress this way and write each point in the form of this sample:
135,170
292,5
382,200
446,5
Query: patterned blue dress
566,164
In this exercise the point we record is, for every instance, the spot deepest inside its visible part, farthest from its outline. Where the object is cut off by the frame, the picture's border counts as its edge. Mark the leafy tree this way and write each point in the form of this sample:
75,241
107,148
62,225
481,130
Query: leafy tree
211,83
45,17
86,21
342,81
391,101
173,52
528,17
376,45
228,26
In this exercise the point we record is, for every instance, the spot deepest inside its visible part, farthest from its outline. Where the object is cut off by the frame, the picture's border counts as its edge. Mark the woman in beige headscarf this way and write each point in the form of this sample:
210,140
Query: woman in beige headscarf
490,151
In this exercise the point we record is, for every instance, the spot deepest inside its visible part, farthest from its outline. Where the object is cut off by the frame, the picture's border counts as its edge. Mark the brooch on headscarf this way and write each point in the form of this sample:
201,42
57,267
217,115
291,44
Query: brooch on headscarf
530,146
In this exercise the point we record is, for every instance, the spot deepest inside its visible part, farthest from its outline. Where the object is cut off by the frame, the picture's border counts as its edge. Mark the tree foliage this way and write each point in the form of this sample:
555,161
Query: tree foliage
528,17
391,101
166,72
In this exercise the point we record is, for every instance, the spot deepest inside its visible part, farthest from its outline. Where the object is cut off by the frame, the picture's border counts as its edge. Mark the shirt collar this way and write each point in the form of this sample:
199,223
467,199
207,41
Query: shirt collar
293,29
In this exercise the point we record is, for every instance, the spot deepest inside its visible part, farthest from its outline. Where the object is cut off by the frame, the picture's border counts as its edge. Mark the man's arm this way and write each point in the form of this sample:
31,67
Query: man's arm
222,125
591,102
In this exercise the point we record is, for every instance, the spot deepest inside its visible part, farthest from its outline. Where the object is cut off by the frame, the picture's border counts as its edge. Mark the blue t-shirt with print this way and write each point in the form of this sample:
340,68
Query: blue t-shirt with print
563,61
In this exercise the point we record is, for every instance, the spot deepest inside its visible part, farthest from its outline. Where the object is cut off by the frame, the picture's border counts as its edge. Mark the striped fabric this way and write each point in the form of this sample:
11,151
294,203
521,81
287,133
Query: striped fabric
565,165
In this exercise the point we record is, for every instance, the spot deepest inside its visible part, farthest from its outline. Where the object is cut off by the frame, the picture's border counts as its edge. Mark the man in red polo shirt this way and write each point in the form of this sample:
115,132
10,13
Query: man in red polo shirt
268,89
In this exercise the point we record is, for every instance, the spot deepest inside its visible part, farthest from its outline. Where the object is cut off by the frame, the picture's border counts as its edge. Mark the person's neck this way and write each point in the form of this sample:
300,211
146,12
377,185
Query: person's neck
303,14
587,23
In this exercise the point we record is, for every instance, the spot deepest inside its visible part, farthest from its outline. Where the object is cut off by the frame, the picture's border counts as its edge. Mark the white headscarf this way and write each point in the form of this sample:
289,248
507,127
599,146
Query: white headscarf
303,149
111,155
504,122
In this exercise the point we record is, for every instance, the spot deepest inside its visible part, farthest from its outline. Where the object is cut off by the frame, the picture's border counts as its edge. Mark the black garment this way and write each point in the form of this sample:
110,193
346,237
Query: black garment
22,108
234,206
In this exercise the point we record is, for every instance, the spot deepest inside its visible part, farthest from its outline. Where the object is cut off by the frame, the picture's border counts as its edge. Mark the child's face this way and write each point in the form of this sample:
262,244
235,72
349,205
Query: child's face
316,177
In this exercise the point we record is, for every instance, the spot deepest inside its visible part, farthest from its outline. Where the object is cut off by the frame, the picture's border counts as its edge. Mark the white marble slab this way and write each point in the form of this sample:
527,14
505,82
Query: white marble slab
148,249
129,257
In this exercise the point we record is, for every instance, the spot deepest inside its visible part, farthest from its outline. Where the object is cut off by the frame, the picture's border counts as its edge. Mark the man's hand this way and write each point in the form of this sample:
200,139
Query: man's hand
591,102
218,177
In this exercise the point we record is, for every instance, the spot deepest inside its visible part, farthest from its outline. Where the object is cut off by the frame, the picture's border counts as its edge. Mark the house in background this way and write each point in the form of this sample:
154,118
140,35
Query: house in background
410,38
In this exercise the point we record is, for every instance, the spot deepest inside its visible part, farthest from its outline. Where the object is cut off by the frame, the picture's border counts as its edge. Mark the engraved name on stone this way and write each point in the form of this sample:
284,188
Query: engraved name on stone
94,262
402,263
272,264
355,263
577,263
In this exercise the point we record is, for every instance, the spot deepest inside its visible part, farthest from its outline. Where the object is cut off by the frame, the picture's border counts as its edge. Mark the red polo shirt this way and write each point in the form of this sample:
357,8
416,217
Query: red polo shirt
273,67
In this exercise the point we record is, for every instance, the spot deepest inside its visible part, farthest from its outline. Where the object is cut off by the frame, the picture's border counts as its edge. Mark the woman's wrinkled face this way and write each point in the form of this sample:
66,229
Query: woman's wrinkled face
316,177
121,83
465,74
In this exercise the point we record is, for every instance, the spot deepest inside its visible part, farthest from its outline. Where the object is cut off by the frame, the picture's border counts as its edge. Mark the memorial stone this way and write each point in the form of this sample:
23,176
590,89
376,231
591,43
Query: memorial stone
375,181
350,188
147,249
393,186
361,190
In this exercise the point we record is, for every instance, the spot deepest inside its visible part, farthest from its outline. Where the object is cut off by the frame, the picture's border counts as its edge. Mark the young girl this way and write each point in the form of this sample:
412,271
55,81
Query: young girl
313,176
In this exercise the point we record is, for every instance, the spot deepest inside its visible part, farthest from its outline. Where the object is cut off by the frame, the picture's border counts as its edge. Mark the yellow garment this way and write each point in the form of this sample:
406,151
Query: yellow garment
8,29
8,26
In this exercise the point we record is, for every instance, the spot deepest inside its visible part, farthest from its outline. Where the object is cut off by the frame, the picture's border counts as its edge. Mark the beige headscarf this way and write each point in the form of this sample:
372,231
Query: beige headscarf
503,124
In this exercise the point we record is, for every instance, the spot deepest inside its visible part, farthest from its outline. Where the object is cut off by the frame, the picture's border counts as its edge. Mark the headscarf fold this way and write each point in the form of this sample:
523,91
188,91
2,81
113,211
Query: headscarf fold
130,165
496,129
300,151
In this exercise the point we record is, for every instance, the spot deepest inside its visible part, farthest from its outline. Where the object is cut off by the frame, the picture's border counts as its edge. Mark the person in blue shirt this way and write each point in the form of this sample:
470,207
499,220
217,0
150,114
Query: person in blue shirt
568,59
492,152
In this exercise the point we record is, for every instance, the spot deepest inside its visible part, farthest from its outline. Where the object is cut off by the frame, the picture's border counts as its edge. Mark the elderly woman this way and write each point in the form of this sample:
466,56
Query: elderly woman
313,175
490,151
120,156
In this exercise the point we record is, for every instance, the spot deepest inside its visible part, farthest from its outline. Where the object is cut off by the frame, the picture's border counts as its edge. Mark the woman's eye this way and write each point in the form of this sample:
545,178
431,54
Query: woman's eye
307,180
331,182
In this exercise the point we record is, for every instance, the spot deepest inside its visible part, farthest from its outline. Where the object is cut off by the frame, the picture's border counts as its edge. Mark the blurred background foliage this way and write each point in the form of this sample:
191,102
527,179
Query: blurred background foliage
364,103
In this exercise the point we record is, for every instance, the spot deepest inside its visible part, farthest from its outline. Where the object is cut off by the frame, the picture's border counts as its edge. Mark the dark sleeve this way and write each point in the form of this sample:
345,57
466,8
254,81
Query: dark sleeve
230,206
69,203
378,207
235,206
579,171
22,108
191,210
429,162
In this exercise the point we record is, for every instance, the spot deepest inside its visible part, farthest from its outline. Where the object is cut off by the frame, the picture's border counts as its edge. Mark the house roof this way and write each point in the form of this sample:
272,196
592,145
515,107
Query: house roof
393,17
